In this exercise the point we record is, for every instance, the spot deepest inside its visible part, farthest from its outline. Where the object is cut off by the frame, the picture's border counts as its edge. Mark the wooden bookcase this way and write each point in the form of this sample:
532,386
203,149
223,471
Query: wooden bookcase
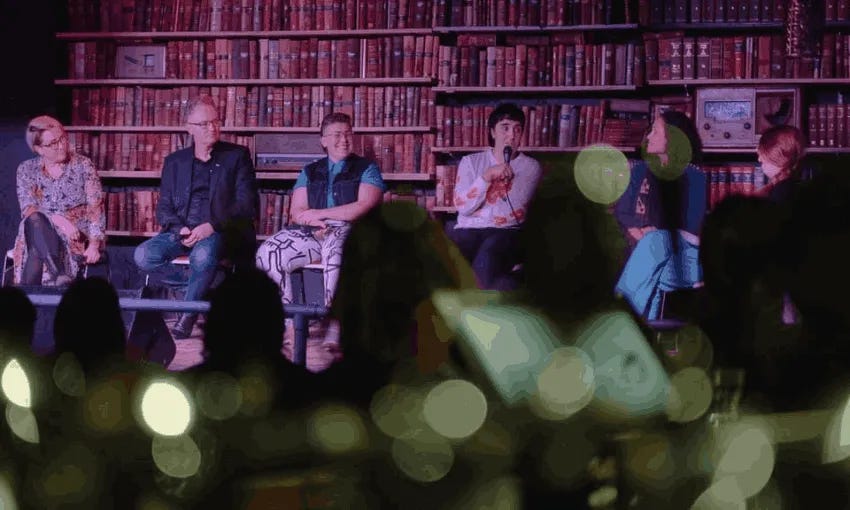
419,77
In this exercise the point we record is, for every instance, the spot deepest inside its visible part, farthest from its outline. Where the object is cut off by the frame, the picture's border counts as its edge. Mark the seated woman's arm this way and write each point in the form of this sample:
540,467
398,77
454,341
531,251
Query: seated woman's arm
26,187
95,213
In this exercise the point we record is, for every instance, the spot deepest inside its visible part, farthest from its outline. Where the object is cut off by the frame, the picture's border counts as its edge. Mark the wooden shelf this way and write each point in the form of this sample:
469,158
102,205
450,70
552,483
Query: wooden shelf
553,150
127,233
127,82
716,26
131,174
241,129
264,176
277,34
754,81
444,209
534,28
534,90
828,150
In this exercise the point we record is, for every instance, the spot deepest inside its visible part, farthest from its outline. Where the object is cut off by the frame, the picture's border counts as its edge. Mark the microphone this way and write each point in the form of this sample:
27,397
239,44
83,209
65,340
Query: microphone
507,153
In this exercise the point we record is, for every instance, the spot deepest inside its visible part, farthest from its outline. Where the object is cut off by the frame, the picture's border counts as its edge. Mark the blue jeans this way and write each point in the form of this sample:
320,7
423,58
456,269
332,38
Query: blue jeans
654,267
203,259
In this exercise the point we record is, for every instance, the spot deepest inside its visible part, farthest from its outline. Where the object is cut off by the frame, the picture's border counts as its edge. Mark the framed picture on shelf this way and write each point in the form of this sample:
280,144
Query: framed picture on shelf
146,61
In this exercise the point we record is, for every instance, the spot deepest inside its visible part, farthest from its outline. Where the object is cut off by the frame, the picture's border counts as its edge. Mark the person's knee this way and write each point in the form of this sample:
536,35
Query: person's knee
35,222
141,256
203,258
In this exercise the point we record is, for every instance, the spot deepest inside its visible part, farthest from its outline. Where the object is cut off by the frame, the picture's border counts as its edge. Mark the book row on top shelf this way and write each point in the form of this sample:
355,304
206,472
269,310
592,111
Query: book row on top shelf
398,56
732,11
305,106
301,15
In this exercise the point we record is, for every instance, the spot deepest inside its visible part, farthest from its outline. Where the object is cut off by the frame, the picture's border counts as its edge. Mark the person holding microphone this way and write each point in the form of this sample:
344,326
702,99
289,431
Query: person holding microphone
492,192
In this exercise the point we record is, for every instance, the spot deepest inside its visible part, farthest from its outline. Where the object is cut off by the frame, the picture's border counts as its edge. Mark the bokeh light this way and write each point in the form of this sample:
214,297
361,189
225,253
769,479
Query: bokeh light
22,422
16,384
630,380
166,408
836,444
178,457
502,493
512,345
724,494
403,216
256,388
397,409
565,386
68,375
649,461
603,497
71,477
747,457
336,429
602,173
423,455
219,395
106,406
455,409
690,395
688,347
7,495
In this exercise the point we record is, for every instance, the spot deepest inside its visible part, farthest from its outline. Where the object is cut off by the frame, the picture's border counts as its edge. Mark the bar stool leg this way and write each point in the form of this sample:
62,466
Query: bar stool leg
299,350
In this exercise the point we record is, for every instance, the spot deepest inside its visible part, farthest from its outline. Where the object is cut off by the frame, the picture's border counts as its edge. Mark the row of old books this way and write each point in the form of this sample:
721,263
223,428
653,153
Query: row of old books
618,122
136,151
394,153
131,209
263,106
400,56
732,179
444,189
273,211
715,11
249,15
548,64
535,12
829,125
671,56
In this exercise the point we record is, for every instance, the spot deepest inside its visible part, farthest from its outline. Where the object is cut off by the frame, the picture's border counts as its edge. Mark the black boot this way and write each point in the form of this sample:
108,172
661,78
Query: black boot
183,328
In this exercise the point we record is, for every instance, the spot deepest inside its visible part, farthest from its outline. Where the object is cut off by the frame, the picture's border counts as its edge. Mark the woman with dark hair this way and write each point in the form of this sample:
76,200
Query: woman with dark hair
662,212
61,199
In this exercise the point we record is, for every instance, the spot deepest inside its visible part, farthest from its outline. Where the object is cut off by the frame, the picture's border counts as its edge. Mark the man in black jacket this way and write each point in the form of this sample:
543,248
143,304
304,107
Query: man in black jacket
207,204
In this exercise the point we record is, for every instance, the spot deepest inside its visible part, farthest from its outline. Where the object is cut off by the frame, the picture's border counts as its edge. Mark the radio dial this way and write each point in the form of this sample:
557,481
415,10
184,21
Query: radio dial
747,125
706,126
727,134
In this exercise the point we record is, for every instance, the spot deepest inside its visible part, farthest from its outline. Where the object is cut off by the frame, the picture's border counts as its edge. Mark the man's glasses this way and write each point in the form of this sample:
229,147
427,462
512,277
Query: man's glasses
55,144
339,135
207,124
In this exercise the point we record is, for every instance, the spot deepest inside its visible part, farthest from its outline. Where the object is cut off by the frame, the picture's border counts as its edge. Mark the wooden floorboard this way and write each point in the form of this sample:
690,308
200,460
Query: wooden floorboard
320,351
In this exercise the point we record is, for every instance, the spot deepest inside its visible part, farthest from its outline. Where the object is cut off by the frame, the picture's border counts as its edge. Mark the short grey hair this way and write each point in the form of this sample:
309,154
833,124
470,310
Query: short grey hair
202,100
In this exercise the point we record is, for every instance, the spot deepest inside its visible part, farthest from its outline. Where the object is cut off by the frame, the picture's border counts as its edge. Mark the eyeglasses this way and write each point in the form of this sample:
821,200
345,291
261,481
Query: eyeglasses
339,135
207,124
55,144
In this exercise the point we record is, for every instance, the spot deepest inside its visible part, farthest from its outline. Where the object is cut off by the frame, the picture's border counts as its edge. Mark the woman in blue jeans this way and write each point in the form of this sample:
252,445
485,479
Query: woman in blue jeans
662,212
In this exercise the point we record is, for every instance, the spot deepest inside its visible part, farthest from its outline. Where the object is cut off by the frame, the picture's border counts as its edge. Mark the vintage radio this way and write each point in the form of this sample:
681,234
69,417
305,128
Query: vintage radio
736,117
286,151
144,61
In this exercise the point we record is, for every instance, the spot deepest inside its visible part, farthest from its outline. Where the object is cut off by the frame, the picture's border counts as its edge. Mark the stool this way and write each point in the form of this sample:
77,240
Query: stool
8,266
308,285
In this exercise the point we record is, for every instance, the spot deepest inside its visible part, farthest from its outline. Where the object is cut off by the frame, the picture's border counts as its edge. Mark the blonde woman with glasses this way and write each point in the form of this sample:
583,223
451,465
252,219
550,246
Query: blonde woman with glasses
62,214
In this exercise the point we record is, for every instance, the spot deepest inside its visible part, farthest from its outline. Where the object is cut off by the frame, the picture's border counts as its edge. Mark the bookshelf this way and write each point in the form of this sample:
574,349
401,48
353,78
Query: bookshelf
419,77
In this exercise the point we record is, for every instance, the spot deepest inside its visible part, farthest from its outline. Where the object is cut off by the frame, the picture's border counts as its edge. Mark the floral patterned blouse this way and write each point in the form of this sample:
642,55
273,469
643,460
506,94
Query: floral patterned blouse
76,194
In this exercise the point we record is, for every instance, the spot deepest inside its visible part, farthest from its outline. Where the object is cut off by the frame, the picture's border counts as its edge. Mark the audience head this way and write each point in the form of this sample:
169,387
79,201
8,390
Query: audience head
46,137
17,319
780,150
245,320
573,249
505,126
740,242
89,325
336,136
395,257
202,121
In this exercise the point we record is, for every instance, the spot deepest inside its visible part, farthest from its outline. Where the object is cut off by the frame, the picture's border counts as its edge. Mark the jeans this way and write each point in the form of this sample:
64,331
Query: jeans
493,252
203,259
654,267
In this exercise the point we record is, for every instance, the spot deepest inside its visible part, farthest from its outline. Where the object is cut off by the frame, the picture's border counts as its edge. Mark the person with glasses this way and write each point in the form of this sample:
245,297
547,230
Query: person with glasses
328,195
207,204
61,199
